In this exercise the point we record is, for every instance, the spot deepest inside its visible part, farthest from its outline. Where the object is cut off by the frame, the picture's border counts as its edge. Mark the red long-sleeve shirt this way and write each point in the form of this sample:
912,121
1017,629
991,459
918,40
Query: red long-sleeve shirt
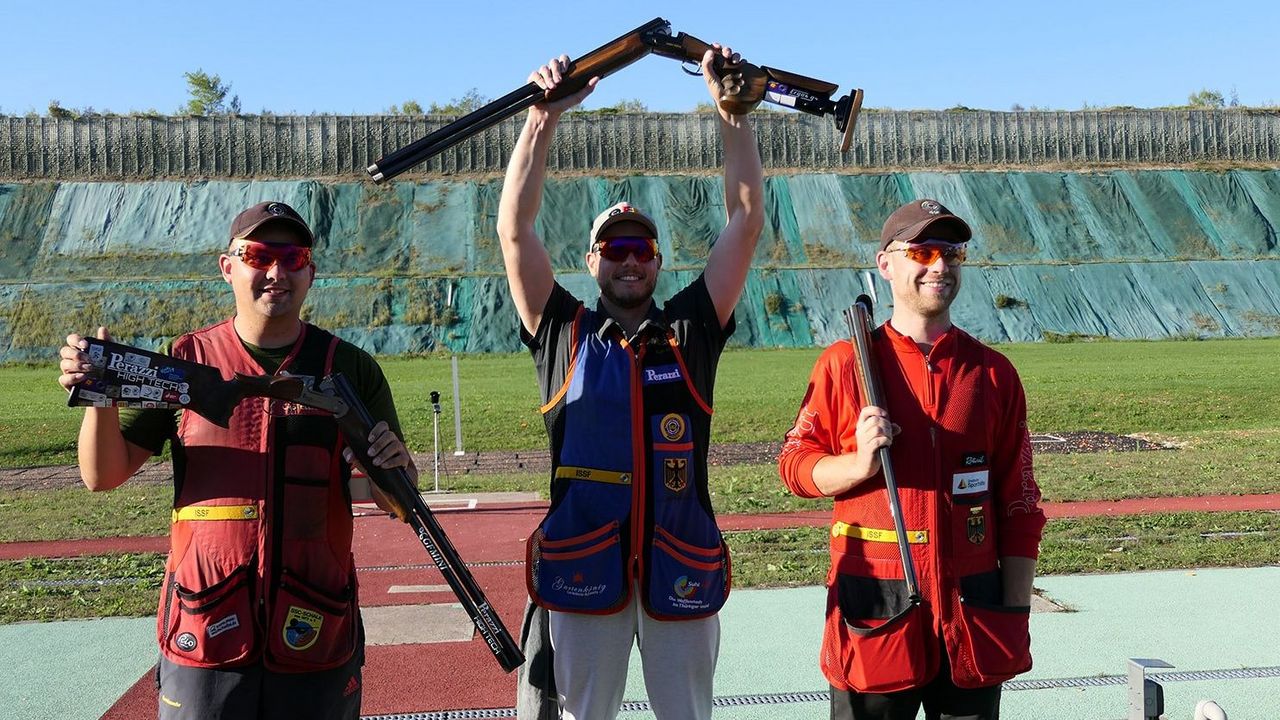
918,390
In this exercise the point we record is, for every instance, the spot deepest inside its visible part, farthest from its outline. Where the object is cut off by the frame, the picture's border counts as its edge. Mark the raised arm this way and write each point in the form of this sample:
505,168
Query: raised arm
730,259
106,458
527,262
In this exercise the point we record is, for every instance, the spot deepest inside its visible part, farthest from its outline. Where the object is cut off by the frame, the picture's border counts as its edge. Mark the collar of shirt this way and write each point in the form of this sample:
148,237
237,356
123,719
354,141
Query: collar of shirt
655,322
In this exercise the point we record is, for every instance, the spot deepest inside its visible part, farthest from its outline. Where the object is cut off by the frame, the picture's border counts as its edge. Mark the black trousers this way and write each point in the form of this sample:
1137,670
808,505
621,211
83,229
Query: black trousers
255,693
941,699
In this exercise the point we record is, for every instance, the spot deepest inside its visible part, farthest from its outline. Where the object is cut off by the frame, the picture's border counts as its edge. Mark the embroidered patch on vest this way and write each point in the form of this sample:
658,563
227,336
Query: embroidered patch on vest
675,474
578,587
662,374
971,460
672,427
301,628
976,526
230,622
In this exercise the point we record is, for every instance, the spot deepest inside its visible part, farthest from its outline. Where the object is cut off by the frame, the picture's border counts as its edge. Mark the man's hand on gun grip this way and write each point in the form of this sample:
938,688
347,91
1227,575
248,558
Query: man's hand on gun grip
727,89
386,451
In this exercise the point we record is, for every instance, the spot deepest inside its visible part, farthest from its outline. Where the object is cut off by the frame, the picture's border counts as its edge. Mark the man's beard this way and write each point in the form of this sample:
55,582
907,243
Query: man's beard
929,306
630,301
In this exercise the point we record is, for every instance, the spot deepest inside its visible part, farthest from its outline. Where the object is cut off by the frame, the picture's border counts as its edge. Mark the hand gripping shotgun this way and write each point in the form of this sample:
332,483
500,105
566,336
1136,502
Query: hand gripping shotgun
125,376
747,85
858,318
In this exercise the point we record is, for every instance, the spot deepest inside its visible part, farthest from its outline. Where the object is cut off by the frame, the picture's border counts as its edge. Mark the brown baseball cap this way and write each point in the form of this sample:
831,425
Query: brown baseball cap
923,219
267,212
622,212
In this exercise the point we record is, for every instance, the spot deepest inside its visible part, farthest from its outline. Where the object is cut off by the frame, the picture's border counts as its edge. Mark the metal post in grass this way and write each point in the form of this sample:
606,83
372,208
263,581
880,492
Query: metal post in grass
457,411
435,435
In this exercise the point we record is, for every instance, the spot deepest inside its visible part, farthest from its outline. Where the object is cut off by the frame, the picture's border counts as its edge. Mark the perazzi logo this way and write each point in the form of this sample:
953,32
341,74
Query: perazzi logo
661,375
129,372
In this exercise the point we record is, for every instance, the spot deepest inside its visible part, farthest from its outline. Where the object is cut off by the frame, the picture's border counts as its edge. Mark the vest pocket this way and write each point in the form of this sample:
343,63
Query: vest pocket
882,637
999,639
213,626
311,629
685,580
581,573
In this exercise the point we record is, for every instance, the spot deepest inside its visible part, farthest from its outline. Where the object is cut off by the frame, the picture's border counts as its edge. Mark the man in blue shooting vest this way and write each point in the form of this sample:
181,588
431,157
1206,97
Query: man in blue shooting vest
629,551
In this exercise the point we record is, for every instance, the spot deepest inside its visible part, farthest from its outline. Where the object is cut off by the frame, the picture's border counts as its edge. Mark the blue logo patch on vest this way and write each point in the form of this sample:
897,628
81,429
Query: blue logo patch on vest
662,374
302,628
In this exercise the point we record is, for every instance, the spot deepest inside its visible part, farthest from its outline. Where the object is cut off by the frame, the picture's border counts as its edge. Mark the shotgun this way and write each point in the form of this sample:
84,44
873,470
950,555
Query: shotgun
125,376
858,318
757,84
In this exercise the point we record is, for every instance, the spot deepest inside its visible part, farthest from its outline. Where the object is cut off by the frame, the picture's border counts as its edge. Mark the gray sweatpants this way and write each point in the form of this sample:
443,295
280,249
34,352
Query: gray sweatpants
591,652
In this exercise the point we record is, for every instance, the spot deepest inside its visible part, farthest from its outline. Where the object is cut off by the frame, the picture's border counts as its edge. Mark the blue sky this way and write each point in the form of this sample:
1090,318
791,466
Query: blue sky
361,57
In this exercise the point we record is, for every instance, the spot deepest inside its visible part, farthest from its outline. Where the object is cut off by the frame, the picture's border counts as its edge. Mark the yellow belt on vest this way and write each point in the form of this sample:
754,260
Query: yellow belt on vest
568,472
915,537
216,512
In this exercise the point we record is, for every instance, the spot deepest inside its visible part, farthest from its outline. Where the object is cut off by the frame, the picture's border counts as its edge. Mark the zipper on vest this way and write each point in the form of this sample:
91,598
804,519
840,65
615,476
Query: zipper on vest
940,523
272,507
928,381
640,476
168,601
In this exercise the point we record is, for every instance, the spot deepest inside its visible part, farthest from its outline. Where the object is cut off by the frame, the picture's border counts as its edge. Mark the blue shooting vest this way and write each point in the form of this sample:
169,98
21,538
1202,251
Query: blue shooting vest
629,501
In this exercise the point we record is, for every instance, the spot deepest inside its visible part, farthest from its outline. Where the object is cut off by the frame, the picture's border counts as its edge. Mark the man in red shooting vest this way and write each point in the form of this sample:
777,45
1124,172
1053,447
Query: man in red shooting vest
259,616
956,424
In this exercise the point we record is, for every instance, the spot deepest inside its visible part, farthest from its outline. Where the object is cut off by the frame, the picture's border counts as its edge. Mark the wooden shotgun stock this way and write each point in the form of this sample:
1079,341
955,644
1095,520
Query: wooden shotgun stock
756,83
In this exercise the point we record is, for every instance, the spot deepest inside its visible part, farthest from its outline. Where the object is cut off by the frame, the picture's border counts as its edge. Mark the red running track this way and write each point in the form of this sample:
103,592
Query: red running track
463,675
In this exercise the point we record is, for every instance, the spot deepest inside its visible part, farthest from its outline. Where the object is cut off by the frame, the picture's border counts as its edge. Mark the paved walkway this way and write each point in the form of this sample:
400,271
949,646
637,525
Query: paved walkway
1216,626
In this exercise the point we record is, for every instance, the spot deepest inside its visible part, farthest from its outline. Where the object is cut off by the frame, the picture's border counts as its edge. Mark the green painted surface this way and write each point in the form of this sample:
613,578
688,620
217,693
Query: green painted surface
415,267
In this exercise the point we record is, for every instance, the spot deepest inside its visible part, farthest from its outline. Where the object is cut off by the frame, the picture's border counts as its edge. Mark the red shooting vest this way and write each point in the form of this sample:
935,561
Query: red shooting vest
874,642
260,563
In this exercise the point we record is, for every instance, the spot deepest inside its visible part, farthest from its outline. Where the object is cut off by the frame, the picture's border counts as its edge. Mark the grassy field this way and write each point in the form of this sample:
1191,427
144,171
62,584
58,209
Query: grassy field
1214,401
1121,387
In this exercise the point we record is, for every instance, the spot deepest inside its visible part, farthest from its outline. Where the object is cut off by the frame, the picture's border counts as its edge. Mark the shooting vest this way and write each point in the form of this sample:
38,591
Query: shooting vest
260,563
875,640
629,501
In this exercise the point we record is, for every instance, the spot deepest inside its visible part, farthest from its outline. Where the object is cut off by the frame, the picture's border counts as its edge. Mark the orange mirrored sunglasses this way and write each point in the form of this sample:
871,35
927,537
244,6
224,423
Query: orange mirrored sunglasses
262,256
928,254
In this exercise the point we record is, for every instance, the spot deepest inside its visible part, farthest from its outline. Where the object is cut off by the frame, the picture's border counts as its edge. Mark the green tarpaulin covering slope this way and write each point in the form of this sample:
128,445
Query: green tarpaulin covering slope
416,267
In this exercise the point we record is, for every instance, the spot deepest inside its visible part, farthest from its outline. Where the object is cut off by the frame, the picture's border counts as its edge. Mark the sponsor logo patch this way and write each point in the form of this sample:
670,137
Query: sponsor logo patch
577,588
186,642
675,474
685,588
969,483
662,374
230,622
974,460
301,628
